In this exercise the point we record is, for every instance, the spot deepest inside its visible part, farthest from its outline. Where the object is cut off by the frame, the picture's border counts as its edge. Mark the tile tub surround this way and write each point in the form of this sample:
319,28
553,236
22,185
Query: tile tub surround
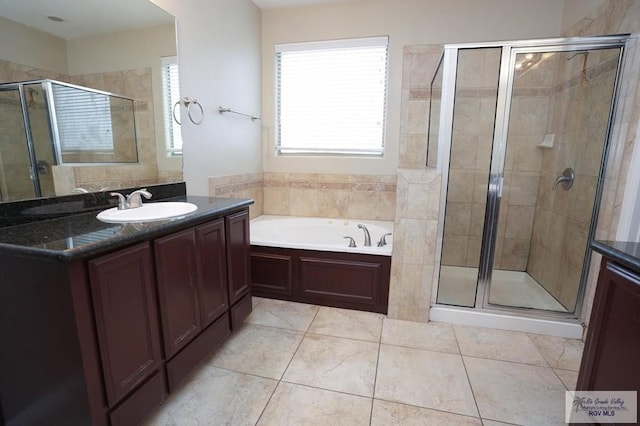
240,186
330,195
338,366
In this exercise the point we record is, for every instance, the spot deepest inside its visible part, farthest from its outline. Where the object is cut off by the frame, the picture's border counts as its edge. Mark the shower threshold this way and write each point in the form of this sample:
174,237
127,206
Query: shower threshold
508,289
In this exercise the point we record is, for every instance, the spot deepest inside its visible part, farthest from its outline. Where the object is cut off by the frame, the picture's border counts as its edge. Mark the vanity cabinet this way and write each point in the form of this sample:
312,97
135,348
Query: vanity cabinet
175,257
239,266
126,318
101,339
610,358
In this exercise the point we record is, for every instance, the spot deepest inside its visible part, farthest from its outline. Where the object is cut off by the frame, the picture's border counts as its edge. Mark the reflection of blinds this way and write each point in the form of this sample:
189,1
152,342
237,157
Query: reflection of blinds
171,95
83,118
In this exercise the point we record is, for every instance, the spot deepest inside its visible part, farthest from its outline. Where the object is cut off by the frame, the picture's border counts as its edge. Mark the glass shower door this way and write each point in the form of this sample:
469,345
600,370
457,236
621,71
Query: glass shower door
558,109
476,91
16,182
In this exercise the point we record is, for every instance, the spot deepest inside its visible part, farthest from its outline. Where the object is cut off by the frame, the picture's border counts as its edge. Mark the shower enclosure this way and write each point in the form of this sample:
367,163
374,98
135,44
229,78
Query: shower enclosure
523,136
44,123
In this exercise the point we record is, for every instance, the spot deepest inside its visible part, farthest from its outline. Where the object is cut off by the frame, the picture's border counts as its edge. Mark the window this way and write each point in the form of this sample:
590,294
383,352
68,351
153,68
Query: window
171,95
331,97
83,119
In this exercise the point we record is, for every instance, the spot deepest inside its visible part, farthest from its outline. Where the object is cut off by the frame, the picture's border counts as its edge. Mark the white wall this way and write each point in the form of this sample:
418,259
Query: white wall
219,59
407,22
27,46
130,50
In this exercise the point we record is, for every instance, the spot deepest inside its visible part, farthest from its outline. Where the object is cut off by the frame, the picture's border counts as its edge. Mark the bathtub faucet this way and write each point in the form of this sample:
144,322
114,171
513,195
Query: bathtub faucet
367,236
383,241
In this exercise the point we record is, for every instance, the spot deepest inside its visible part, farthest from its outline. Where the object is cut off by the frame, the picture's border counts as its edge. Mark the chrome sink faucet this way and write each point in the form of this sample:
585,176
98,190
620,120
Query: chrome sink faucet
133,200
367,236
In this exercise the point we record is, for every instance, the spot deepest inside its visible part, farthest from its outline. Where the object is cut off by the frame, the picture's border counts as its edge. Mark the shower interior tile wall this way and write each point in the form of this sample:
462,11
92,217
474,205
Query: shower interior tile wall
135,84
579,113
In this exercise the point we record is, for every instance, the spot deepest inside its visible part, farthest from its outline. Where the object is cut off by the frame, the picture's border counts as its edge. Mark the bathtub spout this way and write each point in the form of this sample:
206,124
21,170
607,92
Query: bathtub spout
367,236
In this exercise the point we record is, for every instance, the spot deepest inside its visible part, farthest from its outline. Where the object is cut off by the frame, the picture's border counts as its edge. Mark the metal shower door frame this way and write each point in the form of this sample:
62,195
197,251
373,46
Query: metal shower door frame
510,49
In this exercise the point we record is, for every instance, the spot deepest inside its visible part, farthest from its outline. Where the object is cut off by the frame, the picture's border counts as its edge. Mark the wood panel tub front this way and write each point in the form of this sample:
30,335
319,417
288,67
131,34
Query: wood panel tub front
341,280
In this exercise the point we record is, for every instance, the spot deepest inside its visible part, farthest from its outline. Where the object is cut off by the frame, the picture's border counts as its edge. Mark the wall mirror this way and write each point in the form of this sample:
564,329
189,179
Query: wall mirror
116,47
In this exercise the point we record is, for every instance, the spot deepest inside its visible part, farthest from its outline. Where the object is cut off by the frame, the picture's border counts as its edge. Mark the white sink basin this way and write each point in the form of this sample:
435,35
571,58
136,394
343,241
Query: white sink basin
147,213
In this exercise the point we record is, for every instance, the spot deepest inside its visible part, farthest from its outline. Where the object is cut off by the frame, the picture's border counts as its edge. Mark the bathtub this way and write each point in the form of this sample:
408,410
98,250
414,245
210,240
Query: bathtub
308,260
309,233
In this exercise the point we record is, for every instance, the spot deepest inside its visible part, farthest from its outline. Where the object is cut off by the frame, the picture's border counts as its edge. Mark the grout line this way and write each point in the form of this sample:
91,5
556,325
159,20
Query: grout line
325,389
428,408
466,372
375,377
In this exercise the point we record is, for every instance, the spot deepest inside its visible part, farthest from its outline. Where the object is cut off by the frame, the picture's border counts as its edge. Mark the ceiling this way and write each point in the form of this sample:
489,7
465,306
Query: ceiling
274,4
84,18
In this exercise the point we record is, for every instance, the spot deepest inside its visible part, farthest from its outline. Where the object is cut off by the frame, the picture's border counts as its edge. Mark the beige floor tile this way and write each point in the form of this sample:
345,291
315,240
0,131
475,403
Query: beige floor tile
569,378
255,349
424,378
391,413
493,423
335,363
300,405
348,323
498,344
559,352
255,301
283,314
214,393
516,393
431,336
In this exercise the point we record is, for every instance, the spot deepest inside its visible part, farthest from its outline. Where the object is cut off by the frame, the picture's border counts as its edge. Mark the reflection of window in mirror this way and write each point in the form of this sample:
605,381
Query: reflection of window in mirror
171,95
84,120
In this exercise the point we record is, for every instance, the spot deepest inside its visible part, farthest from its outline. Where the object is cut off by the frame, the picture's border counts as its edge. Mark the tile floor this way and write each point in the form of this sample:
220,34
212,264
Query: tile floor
296,364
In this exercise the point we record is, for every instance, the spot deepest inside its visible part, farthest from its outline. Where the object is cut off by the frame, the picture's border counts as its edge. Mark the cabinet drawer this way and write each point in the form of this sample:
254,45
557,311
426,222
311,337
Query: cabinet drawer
240,311
182,364
135,408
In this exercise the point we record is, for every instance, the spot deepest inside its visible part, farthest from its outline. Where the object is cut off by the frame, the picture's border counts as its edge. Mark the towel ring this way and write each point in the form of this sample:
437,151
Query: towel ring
188,103
173,112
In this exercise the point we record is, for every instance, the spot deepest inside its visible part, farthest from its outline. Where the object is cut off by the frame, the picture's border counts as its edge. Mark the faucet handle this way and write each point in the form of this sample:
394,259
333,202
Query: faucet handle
122,202
352,242
383,241
135,200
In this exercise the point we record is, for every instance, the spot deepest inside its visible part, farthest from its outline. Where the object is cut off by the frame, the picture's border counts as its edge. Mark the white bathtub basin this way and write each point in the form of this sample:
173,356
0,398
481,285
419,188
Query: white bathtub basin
147,213
322,234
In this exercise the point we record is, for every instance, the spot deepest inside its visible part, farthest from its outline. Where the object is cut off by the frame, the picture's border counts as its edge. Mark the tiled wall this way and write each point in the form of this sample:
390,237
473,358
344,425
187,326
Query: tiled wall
418,194
470,157
240,186
614,17
330,195
578,119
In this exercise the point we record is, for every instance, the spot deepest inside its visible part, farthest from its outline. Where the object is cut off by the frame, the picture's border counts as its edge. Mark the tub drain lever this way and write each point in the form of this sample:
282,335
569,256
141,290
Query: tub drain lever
352,242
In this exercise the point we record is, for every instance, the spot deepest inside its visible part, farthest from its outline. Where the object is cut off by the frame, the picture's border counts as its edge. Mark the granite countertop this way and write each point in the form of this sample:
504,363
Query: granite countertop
624,252
81,235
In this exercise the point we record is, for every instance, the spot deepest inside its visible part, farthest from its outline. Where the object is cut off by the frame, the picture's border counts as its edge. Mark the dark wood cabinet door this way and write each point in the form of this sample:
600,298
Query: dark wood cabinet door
176,277
123,294
212,271
238,254
612,347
